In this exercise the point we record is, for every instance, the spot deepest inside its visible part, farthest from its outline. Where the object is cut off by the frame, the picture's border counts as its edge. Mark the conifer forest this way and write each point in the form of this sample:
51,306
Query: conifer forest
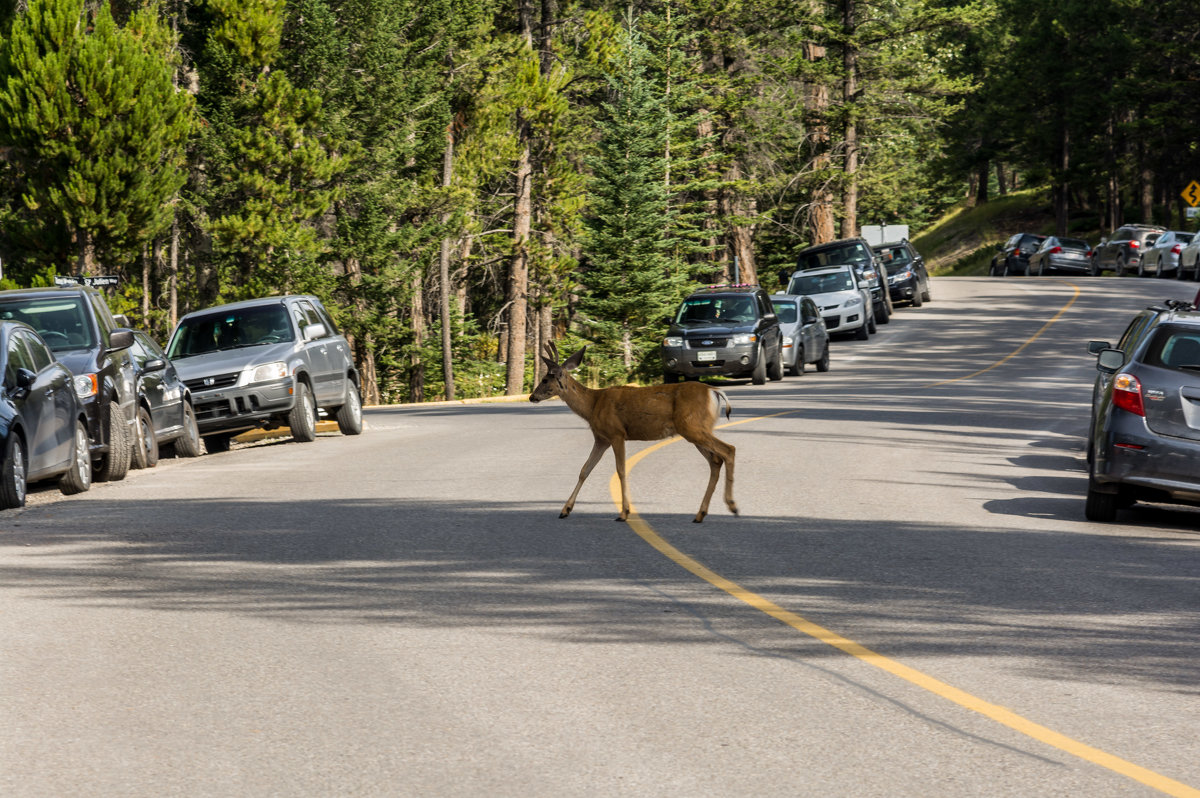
461,181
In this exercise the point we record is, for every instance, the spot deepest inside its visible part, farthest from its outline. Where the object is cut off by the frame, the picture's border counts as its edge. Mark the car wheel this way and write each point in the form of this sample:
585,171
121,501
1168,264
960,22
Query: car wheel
303,418
349,415
797,368
872,327
887,315
775,367
145,448
114,465
759,375
927,294
1121,266
1100,506
862,333
188,444
917,298
78,478
1094,269
823,363
215,444
12,473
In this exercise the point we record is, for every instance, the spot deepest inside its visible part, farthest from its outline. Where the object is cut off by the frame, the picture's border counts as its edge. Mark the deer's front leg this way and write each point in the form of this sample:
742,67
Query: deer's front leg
619,453
598,449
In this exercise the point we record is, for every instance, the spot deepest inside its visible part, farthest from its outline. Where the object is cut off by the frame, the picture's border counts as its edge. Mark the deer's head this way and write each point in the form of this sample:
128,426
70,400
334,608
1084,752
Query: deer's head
555,381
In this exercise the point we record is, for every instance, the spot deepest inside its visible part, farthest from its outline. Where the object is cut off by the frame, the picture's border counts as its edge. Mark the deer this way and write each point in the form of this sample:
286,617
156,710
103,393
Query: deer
640,413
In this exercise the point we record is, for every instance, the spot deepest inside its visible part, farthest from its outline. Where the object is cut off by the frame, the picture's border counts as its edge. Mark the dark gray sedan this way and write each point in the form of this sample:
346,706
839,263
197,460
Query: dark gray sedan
1061,255
1145,427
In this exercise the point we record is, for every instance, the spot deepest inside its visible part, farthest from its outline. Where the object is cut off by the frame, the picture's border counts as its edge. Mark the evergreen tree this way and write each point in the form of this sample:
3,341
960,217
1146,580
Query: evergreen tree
630,280
94,131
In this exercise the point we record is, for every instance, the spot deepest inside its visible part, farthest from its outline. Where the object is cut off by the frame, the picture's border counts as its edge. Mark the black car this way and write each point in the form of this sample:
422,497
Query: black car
1144,442
77,325
1123,250
1061,255
1013,257
725,331
857,253
166,417
43,431
907,277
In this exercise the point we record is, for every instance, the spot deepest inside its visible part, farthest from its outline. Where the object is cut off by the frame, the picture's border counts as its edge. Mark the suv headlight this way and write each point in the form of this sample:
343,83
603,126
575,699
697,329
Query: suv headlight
86,386
673,342
268,372
745,338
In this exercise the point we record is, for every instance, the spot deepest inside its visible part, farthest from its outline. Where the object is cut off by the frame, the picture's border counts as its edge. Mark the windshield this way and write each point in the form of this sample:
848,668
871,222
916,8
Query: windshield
231,329
61,321
894,258
719,309
852,253
786,311
821,283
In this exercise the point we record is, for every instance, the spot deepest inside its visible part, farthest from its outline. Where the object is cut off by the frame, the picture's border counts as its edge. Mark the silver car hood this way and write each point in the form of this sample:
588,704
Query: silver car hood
231,360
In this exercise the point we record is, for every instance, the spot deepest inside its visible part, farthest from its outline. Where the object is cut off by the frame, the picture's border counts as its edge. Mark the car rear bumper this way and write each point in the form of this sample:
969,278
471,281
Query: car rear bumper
241,408
1130,454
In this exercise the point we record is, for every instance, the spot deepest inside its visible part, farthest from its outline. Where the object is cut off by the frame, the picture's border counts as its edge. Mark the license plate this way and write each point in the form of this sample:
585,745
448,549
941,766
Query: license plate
706,354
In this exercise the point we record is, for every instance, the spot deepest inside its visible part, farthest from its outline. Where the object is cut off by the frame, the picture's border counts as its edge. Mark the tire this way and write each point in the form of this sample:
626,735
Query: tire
215,444
823,363
917,299
1100,506
13,470
145,448
1094,270
1120,267
78,479
872,327
303,418
188,444
349,415
775,367
114,465
862,333
887,315
927,294
798,368
1041,272
759,375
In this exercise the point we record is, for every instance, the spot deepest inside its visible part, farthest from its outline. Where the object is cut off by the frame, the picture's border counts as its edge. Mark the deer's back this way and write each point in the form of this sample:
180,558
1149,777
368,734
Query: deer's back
653,412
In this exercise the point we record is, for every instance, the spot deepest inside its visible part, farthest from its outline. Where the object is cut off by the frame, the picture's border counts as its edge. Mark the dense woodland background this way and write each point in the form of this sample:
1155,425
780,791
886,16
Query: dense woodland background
463,180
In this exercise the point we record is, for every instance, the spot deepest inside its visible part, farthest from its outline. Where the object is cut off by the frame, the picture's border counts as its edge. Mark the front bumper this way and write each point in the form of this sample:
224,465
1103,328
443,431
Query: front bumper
728,361
238,408
903,290
844,319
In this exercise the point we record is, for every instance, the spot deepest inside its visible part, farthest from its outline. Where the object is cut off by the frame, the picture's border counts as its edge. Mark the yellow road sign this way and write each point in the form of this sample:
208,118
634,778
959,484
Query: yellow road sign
1191,194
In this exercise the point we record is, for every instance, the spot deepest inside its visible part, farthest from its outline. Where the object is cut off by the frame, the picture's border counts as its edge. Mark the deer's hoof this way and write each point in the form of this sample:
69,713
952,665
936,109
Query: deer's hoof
564,513
733,508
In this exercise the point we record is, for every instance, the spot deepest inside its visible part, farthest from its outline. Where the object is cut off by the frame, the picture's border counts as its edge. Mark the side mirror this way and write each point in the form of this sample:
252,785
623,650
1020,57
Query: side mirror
25,379
119,339
154,364
314,331
1094,347
1110,361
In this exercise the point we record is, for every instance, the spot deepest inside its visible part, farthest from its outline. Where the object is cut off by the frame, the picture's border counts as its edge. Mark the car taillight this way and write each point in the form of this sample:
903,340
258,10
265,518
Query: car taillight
1088,254
1055,250
1127,394
1134,245
1175,249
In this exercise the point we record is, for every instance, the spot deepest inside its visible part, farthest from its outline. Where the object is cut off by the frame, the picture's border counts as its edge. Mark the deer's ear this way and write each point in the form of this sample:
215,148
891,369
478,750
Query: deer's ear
550,364
572,363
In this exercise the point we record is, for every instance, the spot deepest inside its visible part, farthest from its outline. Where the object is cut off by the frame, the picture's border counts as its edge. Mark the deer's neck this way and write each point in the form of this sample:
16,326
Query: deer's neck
580,399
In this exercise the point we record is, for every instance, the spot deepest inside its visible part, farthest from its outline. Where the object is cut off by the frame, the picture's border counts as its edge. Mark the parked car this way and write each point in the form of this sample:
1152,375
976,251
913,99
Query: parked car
726,331
166,418
266,363
1056,254
844,302
77,325
1189,260
1144,441
805,338
43,430
1013,255
907,278
1161,257
1123,250
855,252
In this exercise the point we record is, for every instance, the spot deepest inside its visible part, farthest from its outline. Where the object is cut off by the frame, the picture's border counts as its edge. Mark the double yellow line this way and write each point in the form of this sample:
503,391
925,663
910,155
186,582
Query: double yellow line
995,712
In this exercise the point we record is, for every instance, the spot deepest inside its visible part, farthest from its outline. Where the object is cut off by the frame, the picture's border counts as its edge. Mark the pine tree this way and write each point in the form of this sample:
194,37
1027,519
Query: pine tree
630,279
94,131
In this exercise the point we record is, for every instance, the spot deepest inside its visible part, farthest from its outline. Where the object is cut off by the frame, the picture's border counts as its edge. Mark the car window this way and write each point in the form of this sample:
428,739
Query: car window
18,358
1073,243
230,329
1175,348
38,351
61,321
786,311
894,256
821,283
1185,238
1133,333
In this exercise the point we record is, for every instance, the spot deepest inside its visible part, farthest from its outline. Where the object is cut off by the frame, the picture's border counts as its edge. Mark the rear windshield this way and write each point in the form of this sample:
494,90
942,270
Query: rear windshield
820,283
894,257
230,329
61,321
1175,348
733,309
1073,243
847,254
1186,238
786,311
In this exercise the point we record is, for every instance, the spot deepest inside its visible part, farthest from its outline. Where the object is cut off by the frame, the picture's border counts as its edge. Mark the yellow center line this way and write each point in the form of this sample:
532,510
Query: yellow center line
995,712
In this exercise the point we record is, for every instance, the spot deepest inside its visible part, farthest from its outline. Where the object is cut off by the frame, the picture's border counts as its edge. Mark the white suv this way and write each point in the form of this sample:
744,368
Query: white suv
844,301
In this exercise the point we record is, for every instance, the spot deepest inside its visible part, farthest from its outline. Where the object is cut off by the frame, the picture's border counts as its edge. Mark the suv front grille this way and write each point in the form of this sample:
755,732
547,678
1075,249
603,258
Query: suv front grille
213,382
707,343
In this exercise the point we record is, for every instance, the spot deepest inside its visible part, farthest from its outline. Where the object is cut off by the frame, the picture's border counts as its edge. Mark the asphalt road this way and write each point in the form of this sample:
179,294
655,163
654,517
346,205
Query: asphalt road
910,604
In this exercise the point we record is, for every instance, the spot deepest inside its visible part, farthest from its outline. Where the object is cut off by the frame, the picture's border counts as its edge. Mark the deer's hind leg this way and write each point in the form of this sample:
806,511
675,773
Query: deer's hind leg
717,453
598,448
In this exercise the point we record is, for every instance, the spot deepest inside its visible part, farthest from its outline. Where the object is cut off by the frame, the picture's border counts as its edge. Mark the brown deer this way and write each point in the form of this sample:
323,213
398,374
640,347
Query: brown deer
650,413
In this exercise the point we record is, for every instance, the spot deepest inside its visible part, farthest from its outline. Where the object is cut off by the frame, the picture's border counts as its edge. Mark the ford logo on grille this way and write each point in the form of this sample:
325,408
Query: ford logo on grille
209,381
706,343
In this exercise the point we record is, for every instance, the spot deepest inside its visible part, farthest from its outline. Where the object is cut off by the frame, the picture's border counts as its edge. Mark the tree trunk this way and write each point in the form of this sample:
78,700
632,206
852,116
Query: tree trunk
85,253
518,275
173,274
850,97
1062,193
820,210
1001,179
444,273
416,382
148,255
1147,195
